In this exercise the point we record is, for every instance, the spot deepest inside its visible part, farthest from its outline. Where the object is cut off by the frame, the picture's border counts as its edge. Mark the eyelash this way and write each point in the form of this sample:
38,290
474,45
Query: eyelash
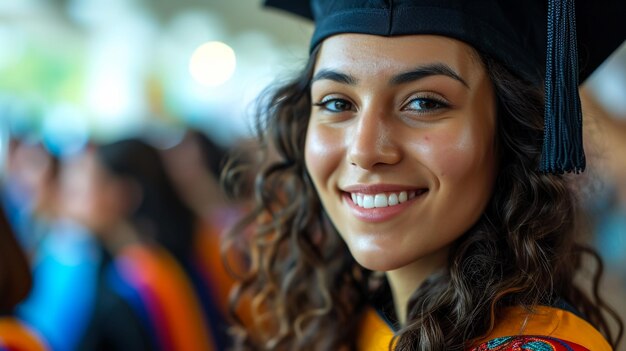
440,104
324,104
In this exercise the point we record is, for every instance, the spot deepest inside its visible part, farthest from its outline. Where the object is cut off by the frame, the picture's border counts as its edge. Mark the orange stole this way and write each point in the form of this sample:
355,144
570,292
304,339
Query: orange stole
207,250
14,335
375,334
157,271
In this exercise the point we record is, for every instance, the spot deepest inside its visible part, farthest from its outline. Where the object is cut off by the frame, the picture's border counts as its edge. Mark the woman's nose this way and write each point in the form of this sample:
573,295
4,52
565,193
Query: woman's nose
371,142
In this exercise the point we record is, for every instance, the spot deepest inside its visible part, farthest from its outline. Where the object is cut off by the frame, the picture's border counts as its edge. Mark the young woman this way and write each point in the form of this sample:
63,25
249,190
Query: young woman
410,205
145,299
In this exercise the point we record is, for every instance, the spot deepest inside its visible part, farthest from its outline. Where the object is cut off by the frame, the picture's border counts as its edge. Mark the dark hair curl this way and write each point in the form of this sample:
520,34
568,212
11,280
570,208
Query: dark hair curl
306,292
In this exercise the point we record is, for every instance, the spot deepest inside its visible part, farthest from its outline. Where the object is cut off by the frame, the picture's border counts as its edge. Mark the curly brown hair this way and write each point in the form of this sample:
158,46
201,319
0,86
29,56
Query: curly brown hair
306,292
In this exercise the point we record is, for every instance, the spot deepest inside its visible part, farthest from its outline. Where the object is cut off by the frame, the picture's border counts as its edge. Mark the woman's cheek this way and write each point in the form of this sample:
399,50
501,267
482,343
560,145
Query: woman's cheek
322,150
446,153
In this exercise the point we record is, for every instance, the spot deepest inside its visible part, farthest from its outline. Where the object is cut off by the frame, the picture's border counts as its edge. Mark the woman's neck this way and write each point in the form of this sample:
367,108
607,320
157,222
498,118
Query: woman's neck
405,280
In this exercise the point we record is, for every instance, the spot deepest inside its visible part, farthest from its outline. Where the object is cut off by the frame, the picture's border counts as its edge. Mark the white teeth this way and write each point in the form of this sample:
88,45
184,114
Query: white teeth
382,199
393,200
403,197
368,201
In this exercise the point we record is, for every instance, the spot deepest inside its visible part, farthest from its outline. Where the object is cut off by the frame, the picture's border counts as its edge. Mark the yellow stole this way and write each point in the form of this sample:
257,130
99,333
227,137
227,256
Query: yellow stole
375,334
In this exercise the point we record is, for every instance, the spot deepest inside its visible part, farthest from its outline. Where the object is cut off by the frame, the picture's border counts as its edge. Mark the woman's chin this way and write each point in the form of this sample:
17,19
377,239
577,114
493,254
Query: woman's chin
378,260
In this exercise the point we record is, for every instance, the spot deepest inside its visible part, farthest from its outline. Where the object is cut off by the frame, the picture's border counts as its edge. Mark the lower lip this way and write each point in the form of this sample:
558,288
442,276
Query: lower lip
379,214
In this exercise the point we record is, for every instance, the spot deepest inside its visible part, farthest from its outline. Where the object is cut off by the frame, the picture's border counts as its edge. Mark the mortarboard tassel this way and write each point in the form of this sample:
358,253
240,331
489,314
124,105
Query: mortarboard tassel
562,145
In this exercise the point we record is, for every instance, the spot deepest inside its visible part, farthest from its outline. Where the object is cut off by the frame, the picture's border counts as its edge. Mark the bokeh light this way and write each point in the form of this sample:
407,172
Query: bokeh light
212,64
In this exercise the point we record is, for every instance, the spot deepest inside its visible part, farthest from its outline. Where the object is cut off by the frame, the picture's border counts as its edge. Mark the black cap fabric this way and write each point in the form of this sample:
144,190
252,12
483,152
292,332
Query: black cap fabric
558,42
512,31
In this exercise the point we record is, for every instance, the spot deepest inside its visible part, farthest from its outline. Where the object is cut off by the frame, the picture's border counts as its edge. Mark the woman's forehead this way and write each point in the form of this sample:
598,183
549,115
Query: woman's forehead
366,55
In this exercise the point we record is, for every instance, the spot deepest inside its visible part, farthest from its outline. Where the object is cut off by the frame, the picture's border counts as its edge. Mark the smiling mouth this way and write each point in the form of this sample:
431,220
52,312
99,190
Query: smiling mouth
386,199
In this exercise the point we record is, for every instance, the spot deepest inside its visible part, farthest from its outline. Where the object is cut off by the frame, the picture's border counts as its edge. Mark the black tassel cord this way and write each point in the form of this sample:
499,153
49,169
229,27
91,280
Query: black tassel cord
563,144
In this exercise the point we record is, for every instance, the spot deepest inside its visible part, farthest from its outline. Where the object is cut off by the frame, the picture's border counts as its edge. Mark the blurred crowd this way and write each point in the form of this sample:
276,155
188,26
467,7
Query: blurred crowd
123,243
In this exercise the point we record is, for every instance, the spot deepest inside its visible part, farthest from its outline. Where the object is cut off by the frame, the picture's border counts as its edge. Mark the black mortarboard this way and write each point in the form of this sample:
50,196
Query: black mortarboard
539,40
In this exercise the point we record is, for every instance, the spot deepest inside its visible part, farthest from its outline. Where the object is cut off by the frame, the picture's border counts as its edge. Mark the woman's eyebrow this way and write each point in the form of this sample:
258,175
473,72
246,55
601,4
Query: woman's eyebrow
434,69
336,76
418,73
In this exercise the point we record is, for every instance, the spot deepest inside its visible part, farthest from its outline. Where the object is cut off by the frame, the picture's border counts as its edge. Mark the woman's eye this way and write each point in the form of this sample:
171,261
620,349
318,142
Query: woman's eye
425,104
335,105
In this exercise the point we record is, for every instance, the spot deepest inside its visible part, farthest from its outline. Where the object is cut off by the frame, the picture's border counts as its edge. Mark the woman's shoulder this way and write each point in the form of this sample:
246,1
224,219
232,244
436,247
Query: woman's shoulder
542,328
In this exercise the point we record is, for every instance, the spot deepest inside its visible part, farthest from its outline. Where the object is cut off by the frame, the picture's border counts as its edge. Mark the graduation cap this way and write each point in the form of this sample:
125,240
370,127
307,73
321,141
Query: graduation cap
552,42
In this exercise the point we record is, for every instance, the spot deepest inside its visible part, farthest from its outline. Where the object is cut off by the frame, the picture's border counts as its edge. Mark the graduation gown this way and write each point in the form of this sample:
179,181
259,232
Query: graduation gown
157,294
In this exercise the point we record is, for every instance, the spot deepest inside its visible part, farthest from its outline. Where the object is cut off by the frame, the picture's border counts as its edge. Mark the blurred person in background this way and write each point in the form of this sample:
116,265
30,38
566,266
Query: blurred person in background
195,165
605,137
605,201
15,282
61,253
28,193
145,300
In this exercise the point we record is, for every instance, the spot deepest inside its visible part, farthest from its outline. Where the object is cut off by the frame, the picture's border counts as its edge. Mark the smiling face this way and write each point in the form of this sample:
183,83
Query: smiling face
401,143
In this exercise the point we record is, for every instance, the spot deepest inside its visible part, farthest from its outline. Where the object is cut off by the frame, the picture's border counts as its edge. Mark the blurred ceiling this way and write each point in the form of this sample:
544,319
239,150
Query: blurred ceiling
235,16
116,64
242,15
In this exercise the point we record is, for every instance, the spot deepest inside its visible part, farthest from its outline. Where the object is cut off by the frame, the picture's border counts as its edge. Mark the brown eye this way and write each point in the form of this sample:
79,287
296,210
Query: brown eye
425,105
335,105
